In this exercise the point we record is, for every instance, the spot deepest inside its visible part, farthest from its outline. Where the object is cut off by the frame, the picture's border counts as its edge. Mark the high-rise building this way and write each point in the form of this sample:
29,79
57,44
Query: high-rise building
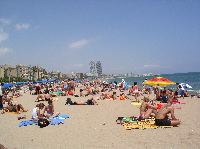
93,67
99,68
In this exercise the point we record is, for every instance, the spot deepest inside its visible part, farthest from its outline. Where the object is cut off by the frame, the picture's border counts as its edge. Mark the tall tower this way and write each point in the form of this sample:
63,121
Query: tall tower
99,68
92,67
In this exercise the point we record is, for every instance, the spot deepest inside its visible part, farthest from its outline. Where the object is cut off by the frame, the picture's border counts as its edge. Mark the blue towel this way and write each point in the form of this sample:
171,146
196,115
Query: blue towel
64,116
27,122
59,119
53,121
56,121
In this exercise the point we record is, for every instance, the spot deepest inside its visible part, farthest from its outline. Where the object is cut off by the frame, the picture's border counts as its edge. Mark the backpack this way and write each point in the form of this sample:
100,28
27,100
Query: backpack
43,123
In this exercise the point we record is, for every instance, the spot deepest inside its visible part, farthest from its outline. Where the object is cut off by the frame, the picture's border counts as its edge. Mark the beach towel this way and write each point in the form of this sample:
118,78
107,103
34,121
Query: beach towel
64,116
53,121
58,119
27,122
121,120
133,123
137,104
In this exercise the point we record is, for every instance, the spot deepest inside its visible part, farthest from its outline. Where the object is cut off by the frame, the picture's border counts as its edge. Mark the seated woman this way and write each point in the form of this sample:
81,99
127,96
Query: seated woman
41,111
49,110
88,102
147,108
35,112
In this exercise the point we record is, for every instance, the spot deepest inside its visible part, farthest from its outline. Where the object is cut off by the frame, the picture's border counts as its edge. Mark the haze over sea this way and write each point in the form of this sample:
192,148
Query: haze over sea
191,78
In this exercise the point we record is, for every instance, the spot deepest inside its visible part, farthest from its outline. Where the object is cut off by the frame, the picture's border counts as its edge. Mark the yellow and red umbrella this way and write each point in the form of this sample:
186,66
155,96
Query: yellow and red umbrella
159,81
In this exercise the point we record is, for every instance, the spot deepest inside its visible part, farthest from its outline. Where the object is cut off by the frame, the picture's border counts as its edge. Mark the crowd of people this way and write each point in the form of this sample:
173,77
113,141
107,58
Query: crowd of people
159,105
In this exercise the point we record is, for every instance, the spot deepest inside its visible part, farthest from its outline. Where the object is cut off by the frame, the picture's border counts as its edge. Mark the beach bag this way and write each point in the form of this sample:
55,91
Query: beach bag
43,123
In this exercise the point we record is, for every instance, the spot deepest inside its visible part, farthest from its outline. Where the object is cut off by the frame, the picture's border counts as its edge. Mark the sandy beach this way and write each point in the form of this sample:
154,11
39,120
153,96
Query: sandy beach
95,127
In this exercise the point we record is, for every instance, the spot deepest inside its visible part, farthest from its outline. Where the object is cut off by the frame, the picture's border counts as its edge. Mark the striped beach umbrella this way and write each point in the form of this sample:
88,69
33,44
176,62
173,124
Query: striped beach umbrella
159,81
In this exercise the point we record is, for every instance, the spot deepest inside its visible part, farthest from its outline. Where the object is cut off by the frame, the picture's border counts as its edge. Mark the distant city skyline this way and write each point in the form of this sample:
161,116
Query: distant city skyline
126,36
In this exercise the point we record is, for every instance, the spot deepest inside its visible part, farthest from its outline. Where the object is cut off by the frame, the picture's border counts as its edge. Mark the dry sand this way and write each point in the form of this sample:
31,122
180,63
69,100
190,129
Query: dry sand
92,127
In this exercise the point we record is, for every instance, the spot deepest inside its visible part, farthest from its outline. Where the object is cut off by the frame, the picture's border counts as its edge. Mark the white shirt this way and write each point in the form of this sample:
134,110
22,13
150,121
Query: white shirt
34,113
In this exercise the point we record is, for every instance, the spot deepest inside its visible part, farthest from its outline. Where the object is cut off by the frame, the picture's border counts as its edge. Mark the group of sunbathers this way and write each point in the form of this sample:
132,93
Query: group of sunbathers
41,111
160,111
10,106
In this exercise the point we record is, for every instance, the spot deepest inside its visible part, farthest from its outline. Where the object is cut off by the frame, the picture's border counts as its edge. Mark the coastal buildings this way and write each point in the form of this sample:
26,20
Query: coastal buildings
22,71
33,73
10,72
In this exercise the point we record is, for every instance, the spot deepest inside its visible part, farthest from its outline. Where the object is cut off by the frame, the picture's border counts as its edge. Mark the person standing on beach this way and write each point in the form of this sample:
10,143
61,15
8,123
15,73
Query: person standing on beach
136,91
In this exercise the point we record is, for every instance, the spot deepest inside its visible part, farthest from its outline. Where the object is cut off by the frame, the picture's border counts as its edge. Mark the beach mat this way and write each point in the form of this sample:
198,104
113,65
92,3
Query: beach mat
57,120
27,123
137,104
133,123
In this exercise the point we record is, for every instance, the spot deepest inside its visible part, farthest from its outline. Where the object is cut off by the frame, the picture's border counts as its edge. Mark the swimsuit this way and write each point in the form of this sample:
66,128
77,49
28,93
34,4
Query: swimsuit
162,122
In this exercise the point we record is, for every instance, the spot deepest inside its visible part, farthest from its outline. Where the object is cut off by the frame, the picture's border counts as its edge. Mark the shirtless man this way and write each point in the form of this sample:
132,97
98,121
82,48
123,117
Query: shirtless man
146,109
162,116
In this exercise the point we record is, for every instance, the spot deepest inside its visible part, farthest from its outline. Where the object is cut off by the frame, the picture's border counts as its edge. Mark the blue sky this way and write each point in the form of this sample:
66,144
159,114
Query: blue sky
159,36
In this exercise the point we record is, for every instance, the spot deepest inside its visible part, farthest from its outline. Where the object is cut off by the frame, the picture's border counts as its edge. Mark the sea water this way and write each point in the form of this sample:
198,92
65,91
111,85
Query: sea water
192,78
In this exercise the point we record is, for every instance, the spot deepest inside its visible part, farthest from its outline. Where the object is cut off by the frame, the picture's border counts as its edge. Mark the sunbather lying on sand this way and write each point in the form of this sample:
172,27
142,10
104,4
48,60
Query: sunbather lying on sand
88,102
45,97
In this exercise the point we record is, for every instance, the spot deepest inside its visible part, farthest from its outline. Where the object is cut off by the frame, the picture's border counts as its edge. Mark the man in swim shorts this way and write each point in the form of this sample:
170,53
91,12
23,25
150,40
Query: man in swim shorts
161,118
